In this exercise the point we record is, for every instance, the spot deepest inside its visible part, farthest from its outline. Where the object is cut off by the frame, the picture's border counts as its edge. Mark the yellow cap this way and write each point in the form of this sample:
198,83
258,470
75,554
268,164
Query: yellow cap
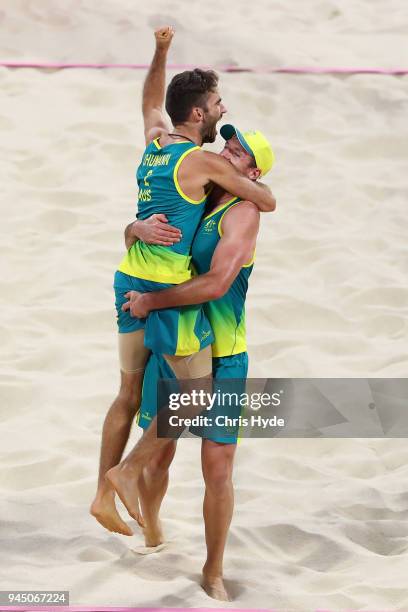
255,143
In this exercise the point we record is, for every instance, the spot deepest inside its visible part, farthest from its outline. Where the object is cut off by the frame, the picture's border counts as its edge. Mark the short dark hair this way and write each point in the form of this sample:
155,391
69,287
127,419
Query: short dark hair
187,90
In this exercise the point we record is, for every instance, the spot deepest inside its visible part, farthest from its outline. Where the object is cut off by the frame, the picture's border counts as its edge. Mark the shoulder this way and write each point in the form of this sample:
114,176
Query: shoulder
244,217
243,210
198,162
207,158
153,133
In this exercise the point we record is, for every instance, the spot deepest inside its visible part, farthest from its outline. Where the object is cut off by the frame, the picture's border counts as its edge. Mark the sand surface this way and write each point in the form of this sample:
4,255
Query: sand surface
318,523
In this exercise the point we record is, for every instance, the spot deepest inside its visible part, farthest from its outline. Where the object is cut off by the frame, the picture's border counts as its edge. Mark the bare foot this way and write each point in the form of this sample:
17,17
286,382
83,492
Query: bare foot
104,510
125,480
153,535
214,587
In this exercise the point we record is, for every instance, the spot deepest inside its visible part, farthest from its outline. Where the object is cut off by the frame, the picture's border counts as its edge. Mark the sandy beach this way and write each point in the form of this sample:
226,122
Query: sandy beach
318,524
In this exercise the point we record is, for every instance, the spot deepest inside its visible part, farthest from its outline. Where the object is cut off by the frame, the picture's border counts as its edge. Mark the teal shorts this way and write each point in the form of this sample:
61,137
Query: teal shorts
173,331
224,368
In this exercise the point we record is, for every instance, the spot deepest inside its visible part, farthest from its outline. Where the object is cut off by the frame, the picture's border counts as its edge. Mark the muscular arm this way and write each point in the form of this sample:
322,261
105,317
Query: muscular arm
223,173
154,87
235,249
202,167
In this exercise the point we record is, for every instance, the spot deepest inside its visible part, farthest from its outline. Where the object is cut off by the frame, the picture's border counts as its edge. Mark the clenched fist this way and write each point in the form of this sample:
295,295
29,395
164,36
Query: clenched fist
163,37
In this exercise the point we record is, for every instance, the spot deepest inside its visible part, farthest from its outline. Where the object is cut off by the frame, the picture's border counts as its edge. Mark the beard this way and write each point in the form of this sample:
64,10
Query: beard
209,131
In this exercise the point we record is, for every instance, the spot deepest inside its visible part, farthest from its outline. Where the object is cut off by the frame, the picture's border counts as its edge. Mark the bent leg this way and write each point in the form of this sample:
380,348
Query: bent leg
116,427
217,466
126,476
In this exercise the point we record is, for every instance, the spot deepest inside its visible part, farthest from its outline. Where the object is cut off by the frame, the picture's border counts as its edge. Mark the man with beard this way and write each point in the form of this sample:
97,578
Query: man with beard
173,178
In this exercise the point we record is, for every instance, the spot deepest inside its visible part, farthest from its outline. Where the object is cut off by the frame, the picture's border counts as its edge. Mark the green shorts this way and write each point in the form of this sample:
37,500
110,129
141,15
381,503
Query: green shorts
233,367
173,331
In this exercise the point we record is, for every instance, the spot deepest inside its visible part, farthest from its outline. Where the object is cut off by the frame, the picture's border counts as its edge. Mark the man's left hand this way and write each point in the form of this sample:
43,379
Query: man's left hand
135,305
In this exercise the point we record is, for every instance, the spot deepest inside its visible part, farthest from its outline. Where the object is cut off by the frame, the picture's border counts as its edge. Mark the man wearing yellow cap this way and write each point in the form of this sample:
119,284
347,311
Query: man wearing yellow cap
223,254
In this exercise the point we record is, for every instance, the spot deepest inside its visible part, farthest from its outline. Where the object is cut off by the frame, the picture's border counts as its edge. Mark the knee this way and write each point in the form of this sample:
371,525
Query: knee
124,408
218,481
158,466
156,470
130,395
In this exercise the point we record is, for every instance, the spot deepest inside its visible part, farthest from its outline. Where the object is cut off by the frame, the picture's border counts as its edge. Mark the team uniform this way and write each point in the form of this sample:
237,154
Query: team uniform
227,319
145,267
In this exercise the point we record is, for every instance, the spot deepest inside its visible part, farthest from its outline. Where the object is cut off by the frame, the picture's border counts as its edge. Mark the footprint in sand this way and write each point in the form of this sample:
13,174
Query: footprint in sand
148,550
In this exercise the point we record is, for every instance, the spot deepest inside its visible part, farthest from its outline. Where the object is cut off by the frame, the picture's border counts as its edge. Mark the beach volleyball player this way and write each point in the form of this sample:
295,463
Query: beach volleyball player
223,253
173,178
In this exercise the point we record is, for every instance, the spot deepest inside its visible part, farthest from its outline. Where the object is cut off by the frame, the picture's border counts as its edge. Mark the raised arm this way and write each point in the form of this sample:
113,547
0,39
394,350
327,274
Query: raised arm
240,228
155,86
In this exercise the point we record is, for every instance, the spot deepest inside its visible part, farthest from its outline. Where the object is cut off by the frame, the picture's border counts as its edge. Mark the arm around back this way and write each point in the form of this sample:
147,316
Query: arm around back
222,172
153,230
235,249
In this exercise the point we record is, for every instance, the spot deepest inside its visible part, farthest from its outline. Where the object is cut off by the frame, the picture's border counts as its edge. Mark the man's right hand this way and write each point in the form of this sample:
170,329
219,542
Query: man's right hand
136,304
156,230
164,37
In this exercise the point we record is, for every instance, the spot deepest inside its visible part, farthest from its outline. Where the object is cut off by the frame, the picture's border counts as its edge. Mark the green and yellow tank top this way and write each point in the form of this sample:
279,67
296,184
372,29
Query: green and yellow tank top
227,314
160,192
